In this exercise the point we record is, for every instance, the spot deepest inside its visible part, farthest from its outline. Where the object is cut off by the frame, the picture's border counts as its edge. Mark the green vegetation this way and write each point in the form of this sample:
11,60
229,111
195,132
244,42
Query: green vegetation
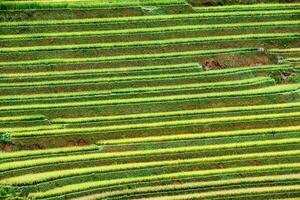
153,30
270,36
160,188
201,135
149,99
83,4
46,176
127,57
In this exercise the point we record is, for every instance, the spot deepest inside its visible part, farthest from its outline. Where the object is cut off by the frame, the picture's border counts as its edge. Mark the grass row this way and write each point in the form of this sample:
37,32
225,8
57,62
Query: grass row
289,50
31,128
152,43
150,18
151,30
252,7
232,192
292,105
193,136
159,68
22,118
278,89
101,80
129,57
158,188
163,124
19,5
46,152
101,71
29,179
144,153
235,83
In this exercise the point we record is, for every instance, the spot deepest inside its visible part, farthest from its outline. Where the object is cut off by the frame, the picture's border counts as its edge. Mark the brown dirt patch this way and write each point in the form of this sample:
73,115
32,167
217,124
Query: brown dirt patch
212,65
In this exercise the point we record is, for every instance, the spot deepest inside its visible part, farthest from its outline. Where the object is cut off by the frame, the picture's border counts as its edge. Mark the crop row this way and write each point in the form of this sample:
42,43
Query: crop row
101,80
21,118
34,153
46,176
153,42
134,19
119,155
141,69
278,89
102,71
140,90
200,135
153,30
289,50
158,188
293,105
129,57
83,4
30,128
253,7
163,124
284,189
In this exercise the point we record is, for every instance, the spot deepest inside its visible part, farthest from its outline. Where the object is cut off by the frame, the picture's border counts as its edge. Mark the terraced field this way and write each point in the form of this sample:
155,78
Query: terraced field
152,99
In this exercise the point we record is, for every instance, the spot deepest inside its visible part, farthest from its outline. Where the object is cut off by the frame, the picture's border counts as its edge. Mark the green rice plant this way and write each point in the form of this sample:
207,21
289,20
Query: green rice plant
150,18
46,176
128,57
152,30
31,153
22,118
252,7
139,90
12,165
31,128
103,70
177,113
289,50
102,79
278,89
19,5
170,123
231,193
193,136
175,41
293,59
155,188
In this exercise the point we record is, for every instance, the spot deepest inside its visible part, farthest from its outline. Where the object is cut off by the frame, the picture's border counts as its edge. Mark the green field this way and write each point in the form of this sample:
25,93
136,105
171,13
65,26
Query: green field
149,99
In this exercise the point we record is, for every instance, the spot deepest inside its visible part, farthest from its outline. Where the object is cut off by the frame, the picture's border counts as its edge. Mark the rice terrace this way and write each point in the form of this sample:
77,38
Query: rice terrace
149,99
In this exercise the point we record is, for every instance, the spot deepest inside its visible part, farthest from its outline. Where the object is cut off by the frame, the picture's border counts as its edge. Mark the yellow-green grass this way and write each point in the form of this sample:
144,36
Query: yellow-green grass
252,7
21,118
177,137
237,109
30,179
72,188
278,89
162,124
231,193
235,83
152,30
150,18
102,71
106,79
12,165
288,50
19,5
153,42
129,57
46,152
31,128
